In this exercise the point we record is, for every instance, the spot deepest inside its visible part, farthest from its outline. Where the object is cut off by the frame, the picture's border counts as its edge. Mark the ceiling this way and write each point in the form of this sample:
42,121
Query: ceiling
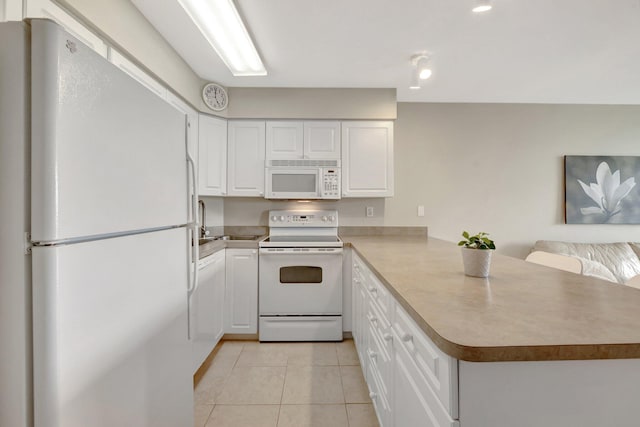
523,51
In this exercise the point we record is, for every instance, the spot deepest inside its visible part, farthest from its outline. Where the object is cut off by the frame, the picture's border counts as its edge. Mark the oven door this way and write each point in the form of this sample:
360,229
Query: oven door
292,183
300,281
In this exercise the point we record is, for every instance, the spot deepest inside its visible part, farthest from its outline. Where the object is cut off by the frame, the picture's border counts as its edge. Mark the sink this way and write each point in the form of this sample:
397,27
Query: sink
204,240
233,237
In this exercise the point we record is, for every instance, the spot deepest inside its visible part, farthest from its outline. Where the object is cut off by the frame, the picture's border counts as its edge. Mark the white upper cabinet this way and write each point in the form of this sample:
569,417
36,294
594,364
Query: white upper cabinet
302,140
284,140
10,10
322,140
367,159
137,73
245,158
47,9
212,156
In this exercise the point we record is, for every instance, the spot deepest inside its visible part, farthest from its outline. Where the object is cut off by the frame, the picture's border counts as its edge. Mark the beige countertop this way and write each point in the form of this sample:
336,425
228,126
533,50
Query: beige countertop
523,311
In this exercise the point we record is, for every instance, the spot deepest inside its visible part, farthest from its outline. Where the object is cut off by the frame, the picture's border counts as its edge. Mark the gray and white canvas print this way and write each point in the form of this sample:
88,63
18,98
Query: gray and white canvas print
602,189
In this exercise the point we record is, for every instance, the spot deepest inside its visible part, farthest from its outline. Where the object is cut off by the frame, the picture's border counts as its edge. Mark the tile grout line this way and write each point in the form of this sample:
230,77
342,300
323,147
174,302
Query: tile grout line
344,397
286,370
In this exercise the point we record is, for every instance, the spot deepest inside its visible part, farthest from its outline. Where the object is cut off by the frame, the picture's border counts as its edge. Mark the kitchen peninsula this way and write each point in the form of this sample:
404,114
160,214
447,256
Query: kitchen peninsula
529,346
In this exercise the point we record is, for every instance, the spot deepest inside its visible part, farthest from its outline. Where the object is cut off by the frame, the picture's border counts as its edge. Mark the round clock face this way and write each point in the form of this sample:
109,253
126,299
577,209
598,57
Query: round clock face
215,97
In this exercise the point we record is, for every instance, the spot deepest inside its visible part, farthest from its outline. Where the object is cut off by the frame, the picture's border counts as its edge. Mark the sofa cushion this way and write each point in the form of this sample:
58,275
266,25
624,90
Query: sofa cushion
619,258
596,269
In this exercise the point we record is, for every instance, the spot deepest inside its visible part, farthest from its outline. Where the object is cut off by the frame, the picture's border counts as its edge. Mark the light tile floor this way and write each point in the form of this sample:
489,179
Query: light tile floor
251,384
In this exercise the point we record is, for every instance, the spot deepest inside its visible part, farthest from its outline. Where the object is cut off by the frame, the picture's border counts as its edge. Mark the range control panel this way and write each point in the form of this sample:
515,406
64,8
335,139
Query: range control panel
300,218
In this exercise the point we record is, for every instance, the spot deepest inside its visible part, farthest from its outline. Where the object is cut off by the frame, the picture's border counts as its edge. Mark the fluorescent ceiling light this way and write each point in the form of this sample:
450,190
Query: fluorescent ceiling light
220,23
482,6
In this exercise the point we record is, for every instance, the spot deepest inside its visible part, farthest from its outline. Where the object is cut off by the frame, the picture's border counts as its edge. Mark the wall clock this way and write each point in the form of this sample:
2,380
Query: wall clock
215,96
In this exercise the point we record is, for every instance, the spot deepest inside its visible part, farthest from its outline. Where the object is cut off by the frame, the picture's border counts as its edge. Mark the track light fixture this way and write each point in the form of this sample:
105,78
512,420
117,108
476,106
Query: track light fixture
482,6
420,70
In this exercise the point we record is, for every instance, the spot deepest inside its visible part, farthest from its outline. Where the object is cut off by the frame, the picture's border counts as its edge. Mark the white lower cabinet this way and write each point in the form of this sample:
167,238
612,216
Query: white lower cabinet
241,296
414,403
411,381
206,308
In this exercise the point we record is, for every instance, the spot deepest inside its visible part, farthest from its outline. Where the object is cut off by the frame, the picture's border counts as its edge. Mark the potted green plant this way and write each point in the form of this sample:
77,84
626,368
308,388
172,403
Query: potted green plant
476,253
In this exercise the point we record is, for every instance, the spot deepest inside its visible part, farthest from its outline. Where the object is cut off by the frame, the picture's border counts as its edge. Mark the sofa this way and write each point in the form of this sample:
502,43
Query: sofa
615,262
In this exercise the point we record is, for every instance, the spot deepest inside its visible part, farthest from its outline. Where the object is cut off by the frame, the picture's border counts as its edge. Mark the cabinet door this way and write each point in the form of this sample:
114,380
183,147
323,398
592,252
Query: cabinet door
11,10
219,278
414,403
284,140
360,303
241,296
206,309
367,159
322,140
212,156
137,73
245,159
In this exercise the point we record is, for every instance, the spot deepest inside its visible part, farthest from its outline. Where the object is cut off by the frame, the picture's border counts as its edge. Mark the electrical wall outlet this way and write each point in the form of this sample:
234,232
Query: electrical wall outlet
369,211
420,210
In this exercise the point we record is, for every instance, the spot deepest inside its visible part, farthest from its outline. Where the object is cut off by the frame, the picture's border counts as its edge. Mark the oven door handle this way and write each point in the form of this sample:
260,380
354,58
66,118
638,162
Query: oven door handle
300,251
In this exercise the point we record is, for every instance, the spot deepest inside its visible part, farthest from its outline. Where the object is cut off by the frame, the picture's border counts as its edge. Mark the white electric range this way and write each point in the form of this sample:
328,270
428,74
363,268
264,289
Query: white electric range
300,279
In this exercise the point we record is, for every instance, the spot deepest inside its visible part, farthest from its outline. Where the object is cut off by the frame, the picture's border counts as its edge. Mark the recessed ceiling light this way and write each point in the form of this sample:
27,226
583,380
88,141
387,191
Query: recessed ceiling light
482,6
221,25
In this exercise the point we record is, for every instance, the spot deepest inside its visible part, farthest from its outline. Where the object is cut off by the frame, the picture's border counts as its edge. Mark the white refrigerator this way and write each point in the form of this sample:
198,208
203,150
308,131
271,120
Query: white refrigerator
95,317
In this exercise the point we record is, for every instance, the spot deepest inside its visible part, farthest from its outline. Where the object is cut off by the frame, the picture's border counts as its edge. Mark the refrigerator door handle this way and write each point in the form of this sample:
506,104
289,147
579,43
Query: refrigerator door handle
193,273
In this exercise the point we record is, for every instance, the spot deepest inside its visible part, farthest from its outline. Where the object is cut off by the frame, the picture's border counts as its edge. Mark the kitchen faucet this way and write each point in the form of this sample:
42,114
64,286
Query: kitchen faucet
203,228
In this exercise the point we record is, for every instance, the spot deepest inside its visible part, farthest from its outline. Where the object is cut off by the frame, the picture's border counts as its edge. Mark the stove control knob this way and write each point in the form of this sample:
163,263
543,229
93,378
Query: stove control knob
332,218
281,218
324,218
274,218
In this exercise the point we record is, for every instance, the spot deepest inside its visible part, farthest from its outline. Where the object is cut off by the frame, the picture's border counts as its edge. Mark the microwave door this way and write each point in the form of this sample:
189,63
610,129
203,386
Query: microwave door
293,183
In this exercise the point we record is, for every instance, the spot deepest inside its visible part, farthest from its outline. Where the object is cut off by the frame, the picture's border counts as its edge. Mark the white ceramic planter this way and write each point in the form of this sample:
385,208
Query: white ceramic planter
476,262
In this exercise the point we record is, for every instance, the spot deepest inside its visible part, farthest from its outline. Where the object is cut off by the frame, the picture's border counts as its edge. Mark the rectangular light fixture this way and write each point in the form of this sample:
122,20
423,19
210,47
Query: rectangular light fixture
220,23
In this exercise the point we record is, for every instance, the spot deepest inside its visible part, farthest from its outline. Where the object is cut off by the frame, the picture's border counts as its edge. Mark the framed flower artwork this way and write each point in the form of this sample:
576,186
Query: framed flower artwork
602,189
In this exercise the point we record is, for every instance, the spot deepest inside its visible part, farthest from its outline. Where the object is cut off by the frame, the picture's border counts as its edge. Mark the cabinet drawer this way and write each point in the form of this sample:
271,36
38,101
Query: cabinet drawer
438,369
380,327
378,397
379,293
380,361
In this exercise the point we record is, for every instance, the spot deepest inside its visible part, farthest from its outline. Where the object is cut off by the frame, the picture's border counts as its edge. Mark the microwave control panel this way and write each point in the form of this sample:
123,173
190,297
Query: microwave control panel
331,183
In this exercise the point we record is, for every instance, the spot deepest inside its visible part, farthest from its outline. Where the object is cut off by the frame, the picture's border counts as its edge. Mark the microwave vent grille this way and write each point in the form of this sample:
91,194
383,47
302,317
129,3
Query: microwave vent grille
304,162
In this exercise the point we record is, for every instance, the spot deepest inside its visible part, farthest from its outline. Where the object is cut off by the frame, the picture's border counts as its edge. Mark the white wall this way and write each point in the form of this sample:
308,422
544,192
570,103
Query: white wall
312,103
499,168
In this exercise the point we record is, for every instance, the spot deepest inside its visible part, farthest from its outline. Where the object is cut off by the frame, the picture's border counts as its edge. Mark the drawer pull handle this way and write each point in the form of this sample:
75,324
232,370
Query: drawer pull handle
406,337
373,395
372,354
387,336
372,289
372,319
356,281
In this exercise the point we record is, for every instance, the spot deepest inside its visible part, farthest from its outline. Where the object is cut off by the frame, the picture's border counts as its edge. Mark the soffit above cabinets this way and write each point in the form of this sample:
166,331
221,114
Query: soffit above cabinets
543,51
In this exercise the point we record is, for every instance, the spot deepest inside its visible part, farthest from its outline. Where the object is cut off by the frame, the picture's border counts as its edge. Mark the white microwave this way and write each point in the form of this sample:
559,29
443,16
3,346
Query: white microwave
302,179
